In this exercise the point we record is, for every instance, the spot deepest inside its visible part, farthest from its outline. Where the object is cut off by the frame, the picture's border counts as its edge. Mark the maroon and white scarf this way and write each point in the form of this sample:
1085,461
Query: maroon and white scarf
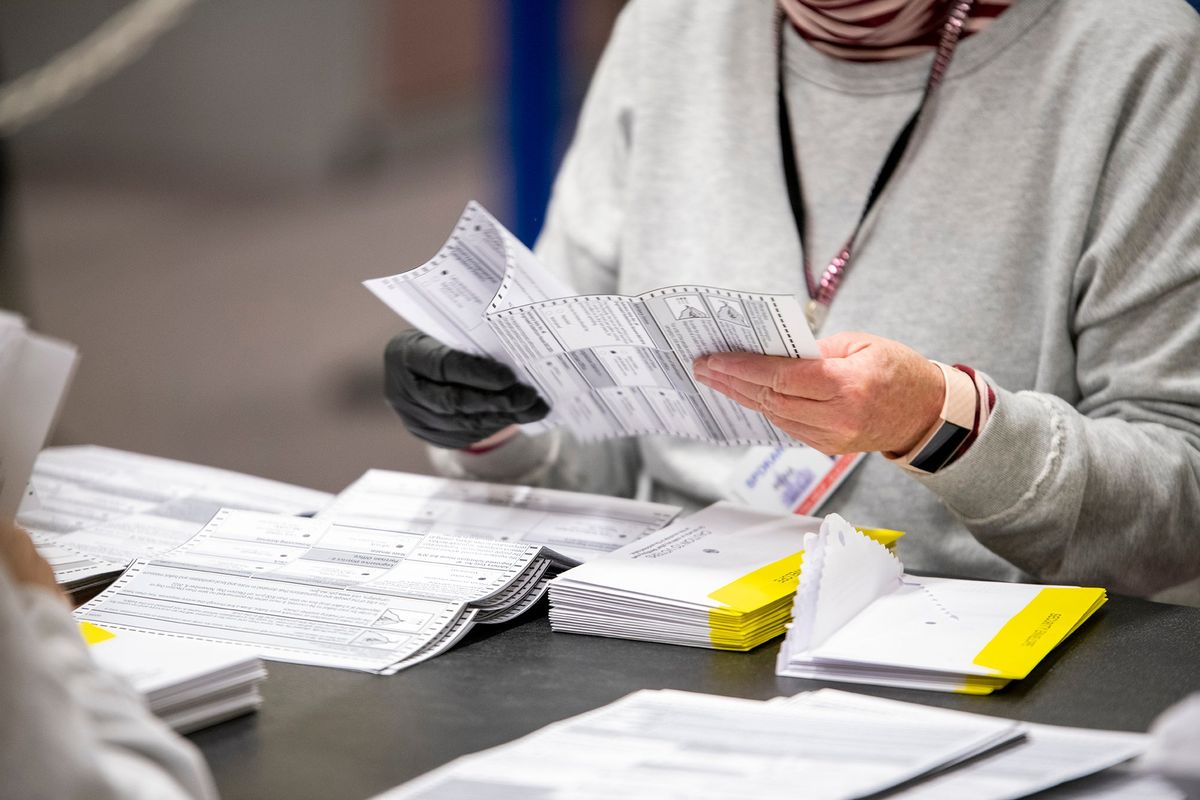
878,30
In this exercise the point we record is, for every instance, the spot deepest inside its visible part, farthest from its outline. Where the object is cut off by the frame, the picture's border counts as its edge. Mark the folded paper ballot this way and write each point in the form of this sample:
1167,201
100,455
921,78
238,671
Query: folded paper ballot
576,525
1048,756
670,744
609,365
858,618
395,571
321,592
721,578
96,509
189,685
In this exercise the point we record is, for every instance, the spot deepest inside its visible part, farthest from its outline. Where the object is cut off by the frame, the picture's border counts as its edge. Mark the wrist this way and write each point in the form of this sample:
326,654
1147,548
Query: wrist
495,440
951,428
927,407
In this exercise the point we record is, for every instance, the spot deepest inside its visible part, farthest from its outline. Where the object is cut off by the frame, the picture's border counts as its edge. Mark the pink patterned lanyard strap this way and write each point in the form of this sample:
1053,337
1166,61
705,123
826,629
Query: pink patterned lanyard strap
821,291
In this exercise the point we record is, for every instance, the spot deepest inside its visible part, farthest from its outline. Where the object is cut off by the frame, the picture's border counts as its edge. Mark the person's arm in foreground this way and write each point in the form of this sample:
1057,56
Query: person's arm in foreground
1105,490
68,729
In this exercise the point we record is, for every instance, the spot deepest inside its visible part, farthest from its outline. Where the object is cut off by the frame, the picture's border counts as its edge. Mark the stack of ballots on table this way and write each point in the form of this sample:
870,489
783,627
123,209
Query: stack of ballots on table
722,578
189,685
859,618
95,509
360,591
578,526
825,745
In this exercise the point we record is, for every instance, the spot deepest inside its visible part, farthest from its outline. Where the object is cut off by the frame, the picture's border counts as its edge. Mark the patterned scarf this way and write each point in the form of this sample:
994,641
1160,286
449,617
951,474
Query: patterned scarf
879,30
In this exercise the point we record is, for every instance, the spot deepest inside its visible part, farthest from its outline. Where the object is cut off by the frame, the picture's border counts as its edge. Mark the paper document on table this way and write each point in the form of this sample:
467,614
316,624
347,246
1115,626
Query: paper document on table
189,685
576,525
857,617
1049,755
668,744
73,570
99,509
314,591
1118,783
34,374
722,578
609,365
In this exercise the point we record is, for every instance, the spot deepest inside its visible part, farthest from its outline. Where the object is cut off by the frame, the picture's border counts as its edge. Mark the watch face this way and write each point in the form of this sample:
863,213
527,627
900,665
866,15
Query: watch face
939,449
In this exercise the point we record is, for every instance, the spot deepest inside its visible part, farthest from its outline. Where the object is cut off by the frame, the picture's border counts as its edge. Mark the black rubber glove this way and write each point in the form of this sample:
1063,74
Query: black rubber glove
454,399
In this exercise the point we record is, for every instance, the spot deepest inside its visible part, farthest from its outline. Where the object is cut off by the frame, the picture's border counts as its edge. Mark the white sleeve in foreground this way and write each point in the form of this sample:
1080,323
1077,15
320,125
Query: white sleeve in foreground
69,729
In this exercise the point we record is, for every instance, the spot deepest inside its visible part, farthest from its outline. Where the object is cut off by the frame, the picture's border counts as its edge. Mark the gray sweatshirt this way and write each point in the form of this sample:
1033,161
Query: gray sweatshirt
1044,228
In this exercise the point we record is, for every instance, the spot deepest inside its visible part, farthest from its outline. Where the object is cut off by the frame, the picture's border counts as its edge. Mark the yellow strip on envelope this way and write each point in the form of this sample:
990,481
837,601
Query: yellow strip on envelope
765,585
1035,630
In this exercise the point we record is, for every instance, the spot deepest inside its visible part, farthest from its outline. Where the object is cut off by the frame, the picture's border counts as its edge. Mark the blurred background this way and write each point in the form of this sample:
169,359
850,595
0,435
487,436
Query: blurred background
198,223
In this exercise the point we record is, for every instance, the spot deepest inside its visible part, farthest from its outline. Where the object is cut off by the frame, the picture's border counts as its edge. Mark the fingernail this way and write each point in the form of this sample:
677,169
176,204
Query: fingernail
700,369
716,362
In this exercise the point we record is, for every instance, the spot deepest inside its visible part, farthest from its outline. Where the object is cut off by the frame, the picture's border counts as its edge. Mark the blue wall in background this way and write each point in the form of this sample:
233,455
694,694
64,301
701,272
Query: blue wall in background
534,67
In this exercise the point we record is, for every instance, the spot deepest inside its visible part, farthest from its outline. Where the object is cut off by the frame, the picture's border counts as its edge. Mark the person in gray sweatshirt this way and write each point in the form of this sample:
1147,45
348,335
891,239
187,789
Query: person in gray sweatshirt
1039,229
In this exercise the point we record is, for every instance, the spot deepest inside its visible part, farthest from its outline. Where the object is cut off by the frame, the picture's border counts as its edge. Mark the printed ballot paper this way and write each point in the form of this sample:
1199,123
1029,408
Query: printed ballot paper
722,578
608,365
1048,756
315,591
669,744
189,685
98,509
858,618
576,525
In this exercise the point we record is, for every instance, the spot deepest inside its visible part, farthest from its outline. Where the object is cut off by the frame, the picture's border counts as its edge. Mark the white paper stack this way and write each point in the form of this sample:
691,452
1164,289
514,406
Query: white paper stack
189,685
721,578
859,618
96,509
74,571
668,744
316,591
1048,756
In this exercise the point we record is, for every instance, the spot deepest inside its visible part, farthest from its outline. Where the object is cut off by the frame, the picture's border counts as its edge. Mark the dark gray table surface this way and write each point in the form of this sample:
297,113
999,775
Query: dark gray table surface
327,733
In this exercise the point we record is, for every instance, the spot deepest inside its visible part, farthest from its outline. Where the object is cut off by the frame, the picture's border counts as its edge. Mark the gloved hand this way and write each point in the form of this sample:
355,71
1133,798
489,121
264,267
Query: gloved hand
454,399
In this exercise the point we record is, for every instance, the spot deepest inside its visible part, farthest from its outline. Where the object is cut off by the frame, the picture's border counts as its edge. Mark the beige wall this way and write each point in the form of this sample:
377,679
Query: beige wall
194,227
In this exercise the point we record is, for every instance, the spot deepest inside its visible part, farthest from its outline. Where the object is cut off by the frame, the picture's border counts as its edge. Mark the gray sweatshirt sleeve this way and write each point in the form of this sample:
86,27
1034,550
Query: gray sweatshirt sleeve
581,242
1106,490
69,729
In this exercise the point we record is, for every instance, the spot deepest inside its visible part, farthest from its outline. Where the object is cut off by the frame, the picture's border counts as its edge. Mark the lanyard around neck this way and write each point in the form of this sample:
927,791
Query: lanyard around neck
821,291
